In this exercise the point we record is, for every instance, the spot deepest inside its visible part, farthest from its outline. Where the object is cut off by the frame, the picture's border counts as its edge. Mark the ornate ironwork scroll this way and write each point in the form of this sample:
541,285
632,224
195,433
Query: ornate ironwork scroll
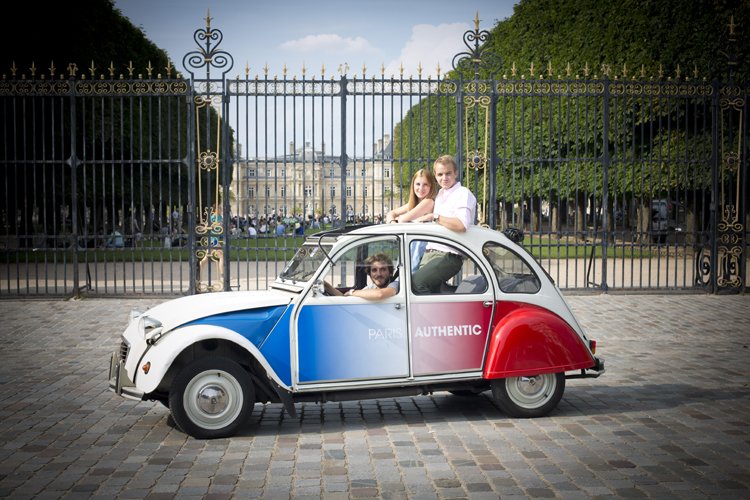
730,226
477,55
477,103
724,266
209,226
476,152
208,54
209,223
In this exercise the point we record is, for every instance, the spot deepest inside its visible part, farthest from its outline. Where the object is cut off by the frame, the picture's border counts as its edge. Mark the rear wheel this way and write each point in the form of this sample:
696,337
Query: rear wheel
529,397
211,398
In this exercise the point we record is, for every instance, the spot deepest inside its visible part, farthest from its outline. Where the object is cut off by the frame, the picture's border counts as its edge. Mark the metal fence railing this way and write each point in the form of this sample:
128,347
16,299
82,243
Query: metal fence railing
172,186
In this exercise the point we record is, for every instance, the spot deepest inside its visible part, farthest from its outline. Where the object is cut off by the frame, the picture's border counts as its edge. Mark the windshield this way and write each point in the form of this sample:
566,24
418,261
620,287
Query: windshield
306,261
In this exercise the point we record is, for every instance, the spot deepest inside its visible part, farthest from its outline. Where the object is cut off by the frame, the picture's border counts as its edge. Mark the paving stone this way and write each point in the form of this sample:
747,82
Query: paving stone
669,419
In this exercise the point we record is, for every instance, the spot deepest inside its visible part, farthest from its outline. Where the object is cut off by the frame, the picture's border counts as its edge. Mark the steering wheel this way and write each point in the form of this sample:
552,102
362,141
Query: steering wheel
330,290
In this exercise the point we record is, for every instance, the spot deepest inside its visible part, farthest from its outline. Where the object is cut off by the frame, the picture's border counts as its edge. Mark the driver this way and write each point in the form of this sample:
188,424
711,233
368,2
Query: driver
379,268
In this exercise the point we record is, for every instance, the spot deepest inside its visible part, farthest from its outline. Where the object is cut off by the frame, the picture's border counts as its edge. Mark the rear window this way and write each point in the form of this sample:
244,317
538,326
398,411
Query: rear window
513,273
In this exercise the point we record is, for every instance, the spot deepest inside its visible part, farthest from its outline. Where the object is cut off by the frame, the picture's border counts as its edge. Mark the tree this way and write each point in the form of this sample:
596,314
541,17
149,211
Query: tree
551,143
132,147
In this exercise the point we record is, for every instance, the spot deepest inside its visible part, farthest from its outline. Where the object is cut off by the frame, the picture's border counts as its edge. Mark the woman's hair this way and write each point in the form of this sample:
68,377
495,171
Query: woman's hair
427,174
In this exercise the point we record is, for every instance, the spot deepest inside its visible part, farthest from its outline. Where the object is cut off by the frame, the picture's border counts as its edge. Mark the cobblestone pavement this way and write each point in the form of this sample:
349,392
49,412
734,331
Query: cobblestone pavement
669,419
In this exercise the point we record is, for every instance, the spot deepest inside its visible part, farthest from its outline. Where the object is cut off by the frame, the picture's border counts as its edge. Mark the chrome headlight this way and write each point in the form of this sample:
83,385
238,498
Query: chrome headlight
151,329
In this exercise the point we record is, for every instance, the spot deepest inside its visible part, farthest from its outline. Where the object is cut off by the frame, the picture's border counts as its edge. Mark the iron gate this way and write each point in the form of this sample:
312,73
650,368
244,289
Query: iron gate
150,186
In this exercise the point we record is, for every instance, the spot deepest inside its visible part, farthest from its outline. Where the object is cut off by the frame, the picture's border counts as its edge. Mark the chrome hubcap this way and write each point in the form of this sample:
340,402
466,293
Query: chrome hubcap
212,399
528,386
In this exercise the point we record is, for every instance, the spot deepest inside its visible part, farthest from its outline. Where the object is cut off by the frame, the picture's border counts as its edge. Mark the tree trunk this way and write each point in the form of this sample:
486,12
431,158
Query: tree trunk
643,218
554,219
691,226
580,214
534,214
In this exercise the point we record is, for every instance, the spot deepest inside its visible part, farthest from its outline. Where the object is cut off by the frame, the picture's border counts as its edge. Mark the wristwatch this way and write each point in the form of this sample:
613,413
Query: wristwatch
435,217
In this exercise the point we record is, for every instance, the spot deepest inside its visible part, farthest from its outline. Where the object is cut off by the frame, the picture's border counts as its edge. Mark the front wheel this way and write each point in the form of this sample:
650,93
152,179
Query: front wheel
211,398
529,397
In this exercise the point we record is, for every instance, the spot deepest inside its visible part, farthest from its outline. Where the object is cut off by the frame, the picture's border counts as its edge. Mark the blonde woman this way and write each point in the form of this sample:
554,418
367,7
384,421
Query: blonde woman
421,198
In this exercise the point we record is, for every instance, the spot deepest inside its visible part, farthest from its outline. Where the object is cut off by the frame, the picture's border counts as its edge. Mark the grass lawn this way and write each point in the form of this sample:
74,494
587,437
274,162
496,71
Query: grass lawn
283,248
545,247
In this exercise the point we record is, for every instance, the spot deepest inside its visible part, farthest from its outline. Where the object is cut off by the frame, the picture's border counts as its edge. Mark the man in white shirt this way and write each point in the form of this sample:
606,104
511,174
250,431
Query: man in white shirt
455,208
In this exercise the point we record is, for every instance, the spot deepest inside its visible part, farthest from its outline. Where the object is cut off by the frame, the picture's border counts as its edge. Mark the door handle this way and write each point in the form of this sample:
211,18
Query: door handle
487,303
397,306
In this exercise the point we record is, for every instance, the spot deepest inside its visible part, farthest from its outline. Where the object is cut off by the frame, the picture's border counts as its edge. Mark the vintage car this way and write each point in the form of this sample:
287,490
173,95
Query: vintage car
500,324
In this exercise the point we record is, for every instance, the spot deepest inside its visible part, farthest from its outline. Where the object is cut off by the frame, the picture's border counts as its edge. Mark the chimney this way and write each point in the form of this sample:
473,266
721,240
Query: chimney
291,148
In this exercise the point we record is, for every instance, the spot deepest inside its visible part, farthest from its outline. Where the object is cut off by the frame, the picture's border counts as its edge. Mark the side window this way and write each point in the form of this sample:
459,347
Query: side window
513,274
439,269
349,270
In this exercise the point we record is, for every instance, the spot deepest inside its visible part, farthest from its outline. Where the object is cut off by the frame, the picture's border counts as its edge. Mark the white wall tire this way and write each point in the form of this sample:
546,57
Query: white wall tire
211,398
529,397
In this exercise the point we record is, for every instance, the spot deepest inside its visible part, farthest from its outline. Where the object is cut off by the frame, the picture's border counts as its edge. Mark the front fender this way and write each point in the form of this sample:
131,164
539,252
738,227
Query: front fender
163,353
530,340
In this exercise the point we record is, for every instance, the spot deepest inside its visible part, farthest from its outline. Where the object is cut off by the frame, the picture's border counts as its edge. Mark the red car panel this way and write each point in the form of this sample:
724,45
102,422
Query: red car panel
528,340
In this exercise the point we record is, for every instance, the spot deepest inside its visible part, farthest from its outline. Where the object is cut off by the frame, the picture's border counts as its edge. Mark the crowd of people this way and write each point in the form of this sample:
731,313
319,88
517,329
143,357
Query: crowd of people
425,189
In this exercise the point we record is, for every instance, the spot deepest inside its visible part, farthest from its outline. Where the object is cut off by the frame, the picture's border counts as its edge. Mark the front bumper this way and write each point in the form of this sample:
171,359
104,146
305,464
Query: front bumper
119,382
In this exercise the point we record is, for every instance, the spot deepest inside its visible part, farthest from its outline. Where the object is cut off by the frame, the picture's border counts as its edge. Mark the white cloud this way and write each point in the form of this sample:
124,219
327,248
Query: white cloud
328,43
429,46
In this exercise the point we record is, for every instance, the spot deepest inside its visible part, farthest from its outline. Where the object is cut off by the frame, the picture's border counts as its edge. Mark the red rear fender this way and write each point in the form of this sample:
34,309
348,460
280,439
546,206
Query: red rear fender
529,340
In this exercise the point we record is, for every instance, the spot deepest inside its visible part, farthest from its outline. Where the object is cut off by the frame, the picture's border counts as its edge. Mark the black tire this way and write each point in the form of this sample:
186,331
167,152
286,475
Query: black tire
211,398
529,397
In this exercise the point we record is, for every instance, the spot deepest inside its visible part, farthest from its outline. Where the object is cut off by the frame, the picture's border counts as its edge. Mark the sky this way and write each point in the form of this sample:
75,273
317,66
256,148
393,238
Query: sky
353,36
317,33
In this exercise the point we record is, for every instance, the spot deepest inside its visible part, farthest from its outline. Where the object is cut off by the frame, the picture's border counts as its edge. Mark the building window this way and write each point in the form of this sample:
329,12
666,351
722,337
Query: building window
365,190
251,172
332,172
387,172
283,191
348,191
251,192
333,190
268,191
308,190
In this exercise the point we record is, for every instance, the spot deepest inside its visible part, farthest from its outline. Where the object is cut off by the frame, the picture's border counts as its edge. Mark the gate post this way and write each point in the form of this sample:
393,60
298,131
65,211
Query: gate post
191,206
459,130
73,162
605,184
491,200
343,160
715,153
226,174
213,245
